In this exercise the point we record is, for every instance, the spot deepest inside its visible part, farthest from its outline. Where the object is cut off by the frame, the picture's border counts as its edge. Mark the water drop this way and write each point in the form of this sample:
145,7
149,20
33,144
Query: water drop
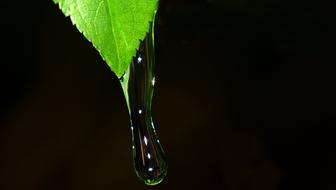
138,86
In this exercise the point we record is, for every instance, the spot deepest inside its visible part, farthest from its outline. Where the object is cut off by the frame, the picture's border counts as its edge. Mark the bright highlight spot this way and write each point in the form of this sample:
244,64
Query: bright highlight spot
145,140
139,59
153,81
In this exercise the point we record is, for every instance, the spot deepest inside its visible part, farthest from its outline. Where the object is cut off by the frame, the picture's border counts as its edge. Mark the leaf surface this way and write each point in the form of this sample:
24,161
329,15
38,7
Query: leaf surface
115,27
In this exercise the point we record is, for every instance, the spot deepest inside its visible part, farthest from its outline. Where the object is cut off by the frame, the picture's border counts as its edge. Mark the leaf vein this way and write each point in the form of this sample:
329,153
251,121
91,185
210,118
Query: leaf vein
112,28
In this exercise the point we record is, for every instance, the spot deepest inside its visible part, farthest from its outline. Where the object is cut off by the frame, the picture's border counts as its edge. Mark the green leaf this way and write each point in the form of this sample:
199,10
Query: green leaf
115,27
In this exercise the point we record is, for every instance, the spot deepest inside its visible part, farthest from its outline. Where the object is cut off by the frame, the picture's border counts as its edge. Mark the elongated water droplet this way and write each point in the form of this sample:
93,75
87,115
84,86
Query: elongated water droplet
138,85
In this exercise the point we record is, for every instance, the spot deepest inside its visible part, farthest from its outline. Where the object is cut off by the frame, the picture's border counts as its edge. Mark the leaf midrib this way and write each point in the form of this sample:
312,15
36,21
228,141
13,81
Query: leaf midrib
112,29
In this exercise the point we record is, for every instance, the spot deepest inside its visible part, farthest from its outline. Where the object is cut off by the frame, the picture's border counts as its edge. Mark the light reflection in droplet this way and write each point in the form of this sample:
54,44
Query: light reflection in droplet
139,59
153,81
145,140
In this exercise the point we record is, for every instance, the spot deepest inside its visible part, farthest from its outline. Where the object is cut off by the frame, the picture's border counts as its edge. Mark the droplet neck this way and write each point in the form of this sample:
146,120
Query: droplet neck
138,86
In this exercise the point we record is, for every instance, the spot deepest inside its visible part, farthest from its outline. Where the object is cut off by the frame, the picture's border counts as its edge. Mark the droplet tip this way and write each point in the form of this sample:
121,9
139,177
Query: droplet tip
153,182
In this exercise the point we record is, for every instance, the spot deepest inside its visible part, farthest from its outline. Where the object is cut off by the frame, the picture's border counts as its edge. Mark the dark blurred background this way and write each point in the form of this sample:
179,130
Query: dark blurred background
245,99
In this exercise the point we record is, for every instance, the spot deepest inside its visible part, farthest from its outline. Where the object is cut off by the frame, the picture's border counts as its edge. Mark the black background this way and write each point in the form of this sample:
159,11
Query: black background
245,99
